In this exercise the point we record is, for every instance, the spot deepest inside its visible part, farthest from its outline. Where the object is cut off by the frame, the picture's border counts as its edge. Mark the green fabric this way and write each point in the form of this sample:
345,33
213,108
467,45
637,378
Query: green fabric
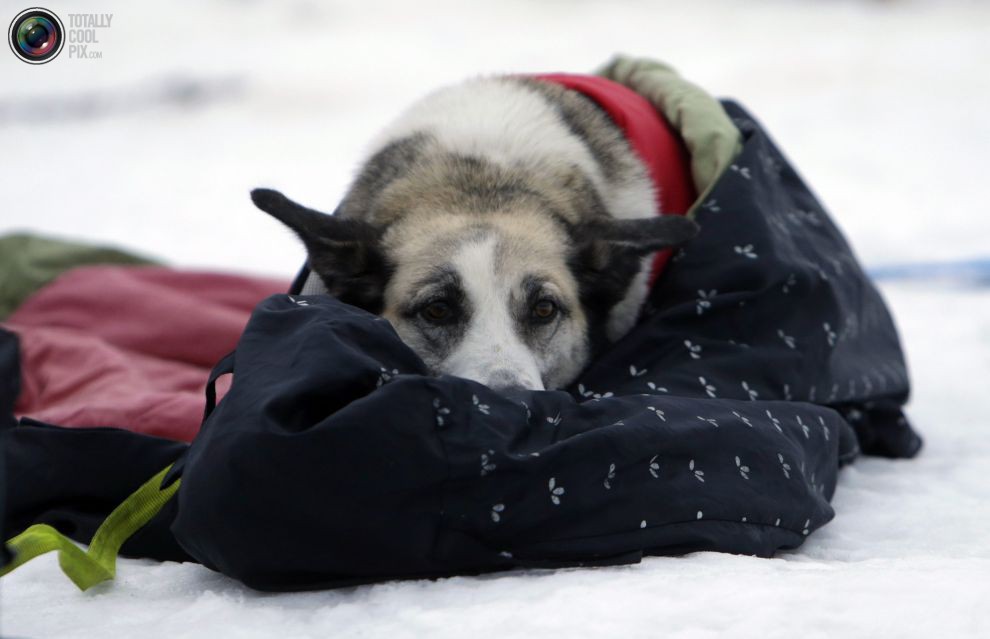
99,563
709,134
28,262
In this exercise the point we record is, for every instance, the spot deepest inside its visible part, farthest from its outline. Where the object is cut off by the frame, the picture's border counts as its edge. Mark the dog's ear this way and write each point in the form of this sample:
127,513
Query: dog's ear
345,253
601,242
609,253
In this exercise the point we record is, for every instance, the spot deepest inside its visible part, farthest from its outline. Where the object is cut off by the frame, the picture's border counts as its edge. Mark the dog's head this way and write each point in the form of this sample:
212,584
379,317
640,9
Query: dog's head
511,301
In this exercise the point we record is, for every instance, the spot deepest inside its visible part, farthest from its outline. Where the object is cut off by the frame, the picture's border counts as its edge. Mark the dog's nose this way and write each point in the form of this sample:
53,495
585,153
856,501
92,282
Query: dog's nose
506,380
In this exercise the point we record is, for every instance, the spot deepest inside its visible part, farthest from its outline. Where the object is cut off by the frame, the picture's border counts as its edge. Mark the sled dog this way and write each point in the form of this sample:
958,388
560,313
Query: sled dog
504,226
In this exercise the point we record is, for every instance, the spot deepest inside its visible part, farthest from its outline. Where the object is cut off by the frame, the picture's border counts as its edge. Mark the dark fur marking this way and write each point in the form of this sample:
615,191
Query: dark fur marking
485,186
538,336
443,284
440,278
384,167
587,121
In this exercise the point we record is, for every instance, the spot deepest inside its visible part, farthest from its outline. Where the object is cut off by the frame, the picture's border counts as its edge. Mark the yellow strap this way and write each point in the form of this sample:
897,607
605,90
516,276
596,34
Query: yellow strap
99,562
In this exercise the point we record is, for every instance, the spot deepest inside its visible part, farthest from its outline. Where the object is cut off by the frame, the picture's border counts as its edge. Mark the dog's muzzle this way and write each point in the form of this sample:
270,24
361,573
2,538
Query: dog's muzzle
504,379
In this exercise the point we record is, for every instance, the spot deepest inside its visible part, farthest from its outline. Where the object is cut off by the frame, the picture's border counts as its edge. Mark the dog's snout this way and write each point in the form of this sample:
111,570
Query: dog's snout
507,380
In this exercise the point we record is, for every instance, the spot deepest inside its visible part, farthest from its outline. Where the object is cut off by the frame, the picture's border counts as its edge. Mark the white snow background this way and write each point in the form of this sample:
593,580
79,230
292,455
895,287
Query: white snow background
883,106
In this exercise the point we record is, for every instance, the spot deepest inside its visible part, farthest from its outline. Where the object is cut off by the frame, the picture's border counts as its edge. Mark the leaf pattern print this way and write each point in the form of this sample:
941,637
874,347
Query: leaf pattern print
698,474
775,422
741,170
709,389
609,477
751,392
487,465
743,419
497,511
709,420
440,411
694,350
788,339
711,205
770,165
746,251
586,392
482,408
784,466
659,413
385,376
833,394
799,217
704,301
830,335
743,469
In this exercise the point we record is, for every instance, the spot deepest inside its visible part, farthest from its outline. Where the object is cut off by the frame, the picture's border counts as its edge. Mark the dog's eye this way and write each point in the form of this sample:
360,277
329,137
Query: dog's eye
544,310
437,312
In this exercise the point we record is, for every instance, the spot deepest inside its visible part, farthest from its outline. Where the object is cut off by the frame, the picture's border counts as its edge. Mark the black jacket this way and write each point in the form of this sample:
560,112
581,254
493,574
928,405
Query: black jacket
765,359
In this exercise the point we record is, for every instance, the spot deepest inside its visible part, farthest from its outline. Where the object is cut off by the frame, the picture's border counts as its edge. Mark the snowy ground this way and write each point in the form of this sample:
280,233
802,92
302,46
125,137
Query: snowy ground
881,104
908,554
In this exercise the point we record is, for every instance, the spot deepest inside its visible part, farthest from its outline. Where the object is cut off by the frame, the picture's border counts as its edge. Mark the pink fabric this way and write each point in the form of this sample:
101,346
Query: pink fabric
129,347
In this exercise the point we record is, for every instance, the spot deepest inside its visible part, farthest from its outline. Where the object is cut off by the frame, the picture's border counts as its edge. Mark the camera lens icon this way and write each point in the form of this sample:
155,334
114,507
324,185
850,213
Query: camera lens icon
36,35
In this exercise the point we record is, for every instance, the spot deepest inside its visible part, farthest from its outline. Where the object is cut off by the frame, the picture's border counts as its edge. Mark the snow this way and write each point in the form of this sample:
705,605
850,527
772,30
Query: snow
882,105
